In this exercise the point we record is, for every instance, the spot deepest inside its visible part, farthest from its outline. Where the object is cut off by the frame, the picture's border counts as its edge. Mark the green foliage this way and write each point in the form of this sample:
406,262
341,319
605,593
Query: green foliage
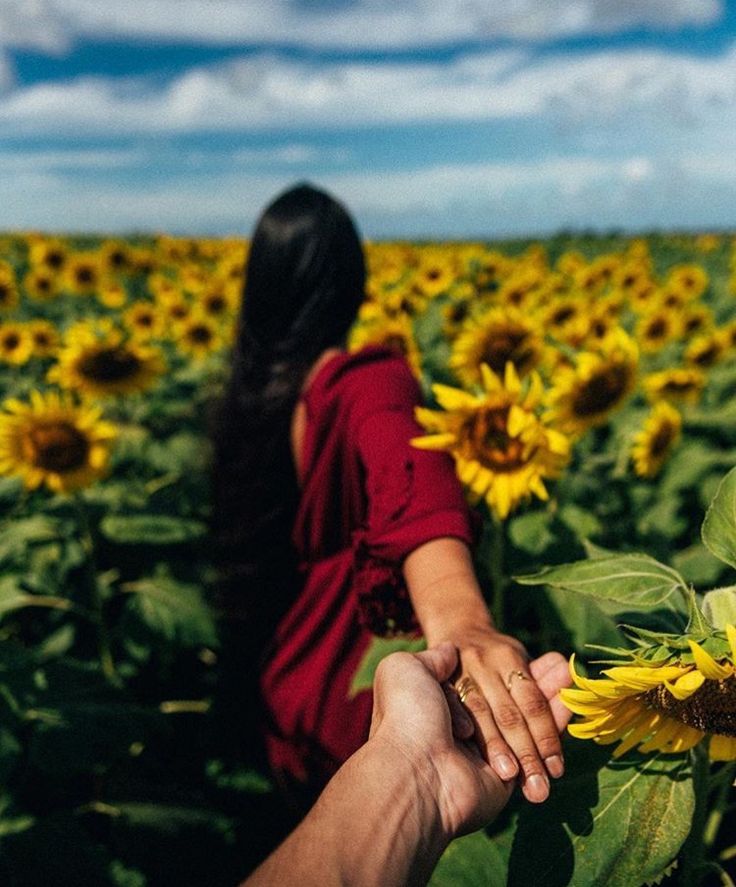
377,650
719,527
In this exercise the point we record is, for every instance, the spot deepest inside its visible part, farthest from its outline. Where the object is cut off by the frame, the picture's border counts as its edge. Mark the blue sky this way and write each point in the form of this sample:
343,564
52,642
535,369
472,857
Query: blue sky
456,119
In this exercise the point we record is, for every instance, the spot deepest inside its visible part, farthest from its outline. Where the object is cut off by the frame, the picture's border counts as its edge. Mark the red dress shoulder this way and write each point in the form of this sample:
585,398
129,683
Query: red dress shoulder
368,499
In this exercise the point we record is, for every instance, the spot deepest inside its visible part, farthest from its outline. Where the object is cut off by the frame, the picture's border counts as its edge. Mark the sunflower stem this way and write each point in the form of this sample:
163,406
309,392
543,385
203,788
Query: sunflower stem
693,850
95,599
721,790
496,569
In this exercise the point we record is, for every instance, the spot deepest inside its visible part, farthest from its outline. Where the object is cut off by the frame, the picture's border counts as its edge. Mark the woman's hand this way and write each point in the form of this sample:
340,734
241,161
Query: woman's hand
516,727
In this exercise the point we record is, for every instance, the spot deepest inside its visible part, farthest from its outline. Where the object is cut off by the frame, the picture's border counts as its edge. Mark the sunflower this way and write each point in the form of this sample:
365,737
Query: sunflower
44,337
502,451
675,385
115,257
47,254
520,288
112,294
705,350
690,280
697,319
144,320
584,395
41,283
435,272
496,337
391,332
52,441
654,443
219,300
16,345
662,706
8,287
82,273
655,330
198,336
102,364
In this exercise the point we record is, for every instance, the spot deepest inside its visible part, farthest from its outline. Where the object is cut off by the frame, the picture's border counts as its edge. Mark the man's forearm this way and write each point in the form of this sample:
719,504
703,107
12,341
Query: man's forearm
376,824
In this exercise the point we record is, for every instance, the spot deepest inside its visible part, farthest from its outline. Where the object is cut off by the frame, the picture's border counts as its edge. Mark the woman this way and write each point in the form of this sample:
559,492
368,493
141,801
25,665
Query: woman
333,527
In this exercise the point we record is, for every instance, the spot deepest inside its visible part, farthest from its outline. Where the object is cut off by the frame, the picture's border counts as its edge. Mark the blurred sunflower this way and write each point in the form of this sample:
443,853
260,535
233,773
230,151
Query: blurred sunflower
654,443
496,337
674,385
112,294
519,289
219,300
705,350
665,706
584,395
41,283
391,332
115,257
435,272
502,452
104,364
82,273
653,331
44,337
198,336
52,441
690,280
47,254
144,320
8,287
696,319
16,345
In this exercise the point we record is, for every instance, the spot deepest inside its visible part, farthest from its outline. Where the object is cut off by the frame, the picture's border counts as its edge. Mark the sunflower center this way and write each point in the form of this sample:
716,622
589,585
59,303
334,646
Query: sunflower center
508,345
562,315
85,275
602,391
707,356
489,442
662,439
674,386
711,708
200,335
56,446
11,341
54,259
657,329
109,365
216,304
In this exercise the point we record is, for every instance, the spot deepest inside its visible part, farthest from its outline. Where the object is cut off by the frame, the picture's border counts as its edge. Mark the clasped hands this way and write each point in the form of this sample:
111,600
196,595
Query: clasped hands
472,752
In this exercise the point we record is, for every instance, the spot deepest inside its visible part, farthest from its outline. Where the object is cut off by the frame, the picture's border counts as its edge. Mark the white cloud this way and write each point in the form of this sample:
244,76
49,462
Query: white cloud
493,199
388,24
7,74
269,92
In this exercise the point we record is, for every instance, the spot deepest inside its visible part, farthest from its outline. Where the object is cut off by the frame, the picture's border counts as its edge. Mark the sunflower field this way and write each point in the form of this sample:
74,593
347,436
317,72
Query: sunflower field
585,387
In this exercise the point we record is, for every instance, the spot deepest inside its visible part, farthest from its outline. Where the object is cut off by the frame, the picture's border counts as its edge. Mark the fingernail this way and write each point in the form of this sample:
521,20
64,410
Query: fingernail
505,767
555,766
536,788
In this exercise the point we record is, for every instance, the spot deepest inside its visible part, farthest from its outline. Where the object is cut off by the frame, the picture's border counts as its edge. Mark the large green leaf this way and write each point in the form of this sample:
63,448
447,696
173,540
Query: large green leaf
177,610
377,650
605,822
15,536
151,529
585,620
471,861
719,607
719,526
632,579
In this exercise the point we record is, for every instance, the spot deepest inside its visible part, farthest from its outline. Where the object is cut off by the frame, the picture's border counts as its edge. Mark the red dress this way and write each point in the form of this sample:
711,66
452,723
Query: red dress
368,499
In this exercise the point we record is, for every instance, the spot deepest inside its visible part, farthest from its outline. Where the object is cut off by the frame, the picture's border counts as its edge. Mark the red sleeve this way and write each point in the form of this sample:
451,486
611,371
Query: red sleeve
413,496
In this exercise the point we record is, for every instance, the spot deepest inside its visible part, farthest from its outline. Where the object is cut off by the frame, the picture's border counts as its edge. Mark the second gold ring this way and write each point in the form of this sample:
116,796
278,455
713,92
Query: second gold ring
464,687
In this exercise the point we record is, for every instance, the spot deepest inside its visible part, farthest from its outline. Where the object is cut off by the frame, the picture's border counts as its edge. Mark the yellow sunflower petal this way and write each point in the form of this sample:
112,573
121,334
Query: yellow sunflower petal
706,664
686,685
722,748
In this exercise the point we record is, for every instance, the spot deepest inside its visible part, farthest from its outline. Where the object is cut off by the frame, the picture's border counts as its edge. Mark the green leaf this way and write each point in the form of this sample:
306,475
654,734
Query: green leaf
698,565
606,822
18,534
719,607
580,521
176,610
531,532
584,620
470,861
378,649
14,597
151,529
719,526
632,579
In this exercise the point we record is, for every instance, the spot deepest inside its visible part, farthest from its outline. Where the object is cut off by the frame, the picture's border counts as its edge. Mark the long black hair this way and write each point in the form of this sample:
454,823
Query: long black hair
305,281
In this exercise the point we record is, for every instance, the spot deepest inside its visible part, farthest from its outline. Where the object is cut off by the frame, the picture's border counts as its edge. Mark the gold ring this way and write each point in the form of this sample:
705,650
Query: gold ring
464,687
515,674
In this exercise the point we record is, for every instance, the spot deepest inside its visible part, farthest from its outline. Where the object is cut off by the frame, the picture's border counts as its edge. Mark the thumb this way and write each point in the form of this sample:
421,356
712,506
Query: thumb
441,661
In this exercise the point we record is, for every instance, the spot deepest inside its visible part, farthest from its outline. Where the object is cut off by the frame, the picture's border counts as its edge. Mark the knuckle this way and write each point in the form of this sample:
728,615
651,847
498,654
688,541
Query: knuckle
476,704
549,745
507,716
529,762
536,706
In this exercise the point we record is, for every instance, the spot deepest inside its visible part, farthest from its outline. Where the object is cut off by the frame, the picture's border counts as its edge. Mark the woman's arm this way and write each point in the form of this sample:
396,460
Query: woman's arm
515,726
